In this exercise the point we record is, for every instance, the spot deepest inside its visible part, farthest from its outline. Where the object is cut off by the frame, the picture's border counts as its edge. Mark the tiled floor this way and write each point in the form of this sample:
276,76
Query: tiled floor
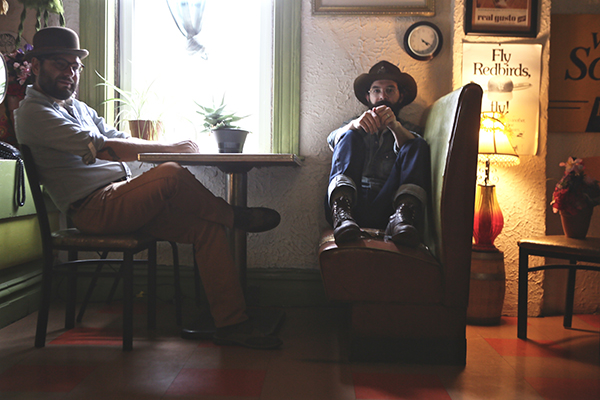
87,363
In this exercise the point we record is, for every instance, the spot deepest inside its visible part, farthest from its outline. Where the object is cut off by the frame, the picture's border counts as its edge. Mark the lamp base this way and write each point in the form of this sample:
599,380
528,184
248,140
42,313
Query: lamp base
485,248
488,220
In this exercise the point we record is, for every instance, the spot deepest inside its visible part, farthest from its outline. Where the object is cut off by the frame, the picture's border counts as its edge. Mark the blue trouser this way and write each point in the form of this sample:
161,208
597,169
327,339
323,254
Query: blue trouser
374,204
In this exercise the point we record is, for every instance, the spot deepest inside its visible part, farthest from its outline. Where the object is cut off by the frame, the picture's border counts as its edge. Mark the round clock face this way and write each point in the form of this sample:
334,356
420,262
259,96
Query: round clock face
423,41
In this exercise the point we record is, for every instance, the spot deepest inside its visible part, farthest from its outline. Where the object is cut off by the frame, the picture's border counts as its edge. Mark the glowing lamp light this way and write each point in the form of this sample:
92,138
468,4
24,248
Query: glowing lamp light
494,148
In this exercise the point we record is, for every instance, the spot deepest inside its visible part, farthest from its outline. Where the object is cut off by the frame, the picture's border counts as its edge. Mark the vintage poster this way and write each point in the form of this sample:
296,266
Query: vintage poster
574,73
510,77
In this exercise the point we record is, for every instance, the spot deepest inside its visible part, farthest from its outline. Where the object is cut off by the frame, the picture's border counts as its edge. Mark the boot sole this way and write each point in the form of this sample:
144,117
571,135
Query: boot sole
408,237
348,234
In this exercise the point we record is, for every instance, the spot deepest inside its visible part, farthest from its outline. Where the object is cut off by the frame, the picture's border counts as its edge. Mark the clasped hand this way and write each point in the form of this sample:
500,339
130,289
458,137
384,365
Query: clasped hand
371,121
186,146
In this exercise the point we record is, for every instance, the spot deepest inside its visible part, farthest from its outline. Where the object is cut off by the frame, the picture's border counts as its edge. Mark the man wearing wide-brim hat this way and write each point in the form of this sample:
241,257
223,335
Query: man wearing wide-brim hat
81,164
380,169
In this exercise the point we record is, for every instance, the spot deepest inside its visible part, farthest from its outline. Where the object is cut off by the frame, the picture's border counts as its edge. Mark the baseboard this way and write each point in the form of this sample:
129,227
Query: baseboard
19,291
266,287
20,288
287,287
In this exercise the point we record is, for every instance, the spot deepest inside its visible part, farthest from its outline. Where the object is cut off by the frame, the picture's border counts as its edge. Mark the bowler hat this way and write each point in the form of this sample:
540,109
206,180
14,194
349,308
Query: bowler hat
55,40
385,70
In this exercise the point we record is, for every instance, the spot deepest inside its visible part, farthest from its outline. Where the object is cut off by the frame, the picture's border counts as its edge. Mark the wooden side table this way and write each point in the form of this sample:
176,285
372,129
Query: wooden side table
560,247
487,288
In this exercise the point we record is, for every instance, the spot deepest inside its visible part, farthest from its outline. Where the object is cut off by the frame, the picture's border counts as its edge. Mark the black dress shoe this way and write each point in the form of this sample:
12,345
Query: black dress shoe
255,219
201,329
246,334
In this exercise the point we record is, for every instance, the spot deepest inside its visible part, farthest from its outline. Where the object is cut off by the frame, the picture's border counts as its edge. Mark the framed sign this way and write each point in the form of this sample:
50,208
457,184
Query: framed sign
502,17
391,7
510,77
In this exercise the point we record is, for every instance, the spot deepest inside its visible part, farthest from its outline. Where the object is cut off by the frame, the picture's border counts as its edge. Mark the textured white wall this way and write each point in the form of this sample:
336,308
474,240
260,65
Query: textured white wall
560,147
520,189
336,49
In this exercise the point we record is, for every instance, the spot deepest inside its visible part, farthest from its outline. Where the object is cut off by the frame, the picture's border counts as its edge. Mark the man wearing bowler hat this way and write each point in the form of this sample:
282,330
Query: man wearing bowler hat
380,170
81,164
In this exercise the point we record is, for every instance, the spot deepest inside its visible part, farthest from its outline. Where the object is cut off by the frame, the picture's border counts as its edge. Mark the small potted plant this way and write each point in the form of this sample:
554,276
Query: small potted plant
230,137
575,197
134,108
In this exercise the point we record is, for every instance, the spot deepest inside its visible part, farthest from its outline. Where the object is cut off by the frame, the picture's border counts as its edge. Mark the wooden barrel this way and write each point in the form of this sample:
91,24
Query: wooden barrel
486,295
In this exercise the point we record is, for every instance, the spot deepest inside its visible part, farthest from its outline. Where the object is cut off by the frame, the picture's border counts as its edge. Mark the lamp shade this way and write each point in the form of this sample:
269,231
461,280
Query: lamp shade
494,145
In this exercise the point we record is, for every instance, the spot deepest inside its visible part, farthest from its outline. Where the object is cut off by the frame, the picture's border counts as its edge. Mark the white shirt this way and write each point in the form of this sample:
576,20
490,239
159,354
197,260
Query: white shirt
64,141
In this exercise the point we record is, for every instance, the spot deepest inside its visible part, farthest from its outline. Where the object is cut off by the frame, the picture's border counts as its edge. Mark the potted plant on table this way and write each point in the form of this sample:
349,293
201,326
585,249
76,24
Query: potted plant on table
134,105
230,137
575,197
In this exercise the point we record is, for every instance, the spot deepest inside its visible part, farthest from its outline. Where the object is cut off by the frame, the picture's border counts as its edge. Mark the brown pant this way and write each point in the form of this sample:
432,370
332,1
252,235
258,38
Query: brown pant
170,204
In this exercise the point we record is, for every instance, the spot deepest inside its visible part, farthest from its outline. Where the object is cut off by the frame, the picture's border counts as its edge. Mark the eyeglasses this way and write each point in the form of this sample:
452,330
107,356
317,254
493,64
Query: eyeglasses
62,65
390,90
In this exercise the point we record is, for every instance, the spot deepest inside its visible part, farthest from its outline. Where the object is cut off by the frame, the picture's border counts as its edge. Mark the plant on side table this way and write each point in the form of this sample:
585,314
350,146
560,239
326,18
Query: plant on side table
575,197
134,106
230,137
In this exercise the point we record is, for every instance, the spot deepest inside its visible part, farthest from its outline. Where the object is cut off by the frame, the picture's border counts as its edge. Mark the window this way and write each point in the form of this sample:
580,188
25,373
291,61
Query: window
270,83
237,37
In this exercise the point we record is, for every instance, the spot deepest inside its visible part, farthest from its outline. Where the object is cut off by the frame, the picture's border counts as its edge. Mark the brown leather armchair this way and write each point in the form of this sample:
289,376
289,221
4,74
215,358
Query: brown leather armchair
410,304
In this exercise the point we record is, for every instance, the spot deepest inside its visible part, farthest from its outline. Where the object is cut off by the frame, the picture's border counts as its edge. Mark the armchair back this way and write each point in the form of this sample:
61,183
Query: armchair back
452,131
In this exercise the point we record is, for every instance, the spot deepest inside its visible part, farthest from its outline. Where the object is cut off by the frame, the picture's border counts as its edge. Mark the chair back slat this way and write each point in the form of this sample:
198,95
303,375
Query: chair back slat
38,199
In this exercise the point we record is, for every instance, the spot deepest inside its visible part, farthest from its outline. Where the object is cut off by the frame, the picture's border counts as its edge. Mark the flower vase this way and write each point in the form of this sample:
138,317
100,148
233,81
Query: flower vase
576,226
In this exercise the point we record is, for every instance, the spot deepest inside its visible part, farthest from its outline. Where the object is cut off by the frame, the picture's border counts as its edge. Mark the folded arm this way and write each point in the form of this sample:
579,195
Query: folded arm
128,149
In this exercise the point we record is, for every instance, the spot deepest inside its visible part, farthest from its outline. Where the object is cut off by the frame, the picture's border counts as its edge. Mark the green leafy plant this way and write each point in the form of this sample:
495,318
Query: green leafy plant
138,107
216,118
133,104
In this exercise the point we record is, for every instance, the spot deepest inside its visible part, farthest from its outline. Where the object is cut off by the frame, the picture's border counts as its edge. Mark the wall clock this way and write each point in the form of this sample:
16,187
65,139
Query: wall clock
423,40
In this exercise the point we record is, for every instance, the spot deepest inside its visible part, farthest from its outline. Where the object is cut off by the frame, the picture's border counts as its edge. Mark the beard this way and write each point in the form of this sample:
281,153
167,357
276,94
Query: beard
396,107
55,87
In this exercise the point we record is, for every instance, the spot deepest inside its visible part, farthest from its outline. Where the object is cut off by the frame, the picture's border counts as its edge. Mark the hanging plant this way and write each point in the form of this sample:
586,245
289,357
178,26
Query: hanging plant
43,9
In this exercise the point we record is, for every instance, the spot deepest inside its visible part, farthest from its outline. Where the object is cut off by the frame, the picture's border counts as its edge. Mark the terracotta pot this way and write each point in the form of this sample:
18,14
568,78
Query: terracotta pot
576,226
146,129
230,140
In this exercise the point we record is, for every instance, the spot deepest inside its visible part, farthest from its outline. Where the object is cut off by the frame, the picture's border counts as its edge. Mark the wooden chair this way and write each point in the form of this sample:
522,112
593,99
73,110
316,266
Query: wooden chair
178,297
73,241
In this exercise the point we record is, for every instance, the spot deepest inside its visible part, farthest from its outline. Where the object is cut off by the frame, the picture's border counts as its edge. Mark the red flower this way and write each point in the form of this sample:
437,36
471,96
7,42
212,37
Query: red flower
575,190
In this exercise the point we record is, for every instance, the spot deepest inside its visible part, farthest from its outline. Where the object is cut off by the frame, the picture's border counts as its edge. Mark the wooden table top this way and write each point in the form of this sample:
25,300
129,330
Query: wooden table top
224,159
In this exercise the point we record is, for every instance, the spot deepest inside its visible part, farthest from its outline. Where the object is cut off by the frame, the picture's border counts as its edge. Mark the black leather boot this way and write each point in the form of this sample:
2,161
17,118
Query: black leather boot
402,228
345,229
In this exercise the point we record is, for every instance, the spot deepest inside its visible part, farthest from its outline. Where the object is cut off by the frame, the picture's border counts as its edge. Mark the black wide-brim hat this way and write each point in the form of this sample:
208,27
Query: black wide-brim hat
55,40
385,70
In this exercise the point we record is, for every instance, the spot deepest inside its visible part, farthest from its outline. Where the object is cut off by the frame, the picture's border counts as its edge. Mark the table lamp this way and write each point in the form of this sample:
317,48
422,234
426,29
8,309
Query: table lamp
494,148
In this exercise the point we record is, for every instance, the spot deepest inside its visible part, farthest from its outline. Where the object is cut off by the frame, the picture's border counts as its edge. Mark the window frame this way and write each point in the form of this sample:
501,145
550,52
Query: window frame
99,34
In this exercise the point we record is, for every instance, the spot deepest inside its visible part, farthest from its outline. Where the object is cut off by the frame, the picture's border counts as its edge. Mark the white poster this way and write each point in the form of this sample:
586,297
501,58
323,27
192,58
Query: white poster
510,77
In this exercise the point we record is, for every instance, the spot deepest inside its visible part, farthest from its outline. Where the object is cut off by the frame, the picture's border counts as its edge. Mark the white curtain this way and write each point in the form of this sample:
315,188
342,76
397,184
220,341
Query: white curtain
188,17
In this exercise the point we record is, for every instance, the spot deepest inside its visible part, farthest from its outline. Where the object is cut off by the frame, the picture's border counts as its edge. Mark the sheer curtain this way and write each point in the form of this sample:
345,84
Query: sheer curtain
188,17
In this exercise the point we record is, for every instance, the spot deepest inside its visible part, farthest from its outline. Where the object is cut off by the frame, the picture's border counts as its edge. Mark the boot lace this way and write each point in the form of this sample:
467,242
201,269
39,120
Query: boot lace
341,210
406,213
